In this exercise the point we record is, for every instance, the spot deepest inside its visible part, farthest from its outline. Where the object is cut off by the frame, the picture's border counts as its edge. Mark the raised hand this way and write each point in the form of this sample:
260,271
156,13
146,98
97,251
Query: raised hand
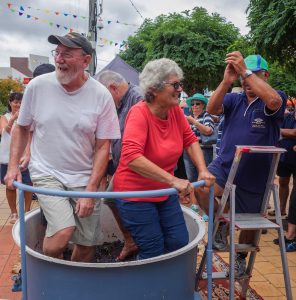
236,60
230,74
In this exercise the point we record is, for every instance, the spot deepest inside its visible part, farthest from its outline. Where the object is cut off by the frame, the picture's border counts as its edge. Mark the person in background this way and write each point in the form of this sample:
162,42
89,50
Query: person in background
287,164
7,126
201,123
155,134
74,119
286,170
254,118
43,69
125,95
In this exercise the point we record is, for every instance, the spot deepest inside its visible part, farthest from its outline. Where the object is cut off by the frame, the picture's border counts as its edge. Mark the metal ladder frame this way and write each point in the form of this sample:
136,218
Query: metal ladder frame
229,192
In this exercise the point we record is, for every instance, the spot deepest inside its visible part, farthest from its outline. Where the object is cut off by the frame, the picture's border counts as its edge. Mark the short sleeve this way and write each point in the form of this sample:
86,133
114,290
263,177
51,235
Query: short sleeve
228,103
107,123
25,117
135,135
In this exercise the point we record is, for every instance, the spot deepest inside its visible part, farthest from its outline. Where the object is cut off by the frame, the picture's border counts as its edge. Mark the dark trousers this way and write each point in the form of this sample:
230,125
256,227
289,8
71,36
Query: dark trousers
156,227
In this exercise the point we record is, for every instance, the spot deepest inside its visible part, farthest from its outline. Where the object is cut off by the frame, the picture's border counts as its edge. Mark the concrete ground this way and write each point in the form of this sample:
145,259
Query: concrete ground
267,278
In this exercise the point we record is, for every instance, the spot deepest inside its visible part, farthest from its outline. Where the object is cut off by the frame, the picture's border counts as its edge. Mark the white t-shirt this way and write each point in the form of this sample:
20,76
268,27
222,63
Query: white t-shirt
66,125
5,142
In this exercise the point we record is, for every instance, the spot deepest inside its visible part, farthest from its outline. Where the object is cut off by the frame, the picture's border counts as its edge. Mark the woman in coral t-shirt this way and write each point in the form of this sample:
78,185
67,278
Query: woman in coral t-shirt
156,133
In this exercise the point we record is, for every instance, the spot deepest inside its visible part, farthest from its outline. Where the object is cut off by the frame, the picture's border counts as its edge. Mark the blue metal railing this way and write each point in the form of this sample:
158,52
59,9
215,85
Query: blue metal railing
76,194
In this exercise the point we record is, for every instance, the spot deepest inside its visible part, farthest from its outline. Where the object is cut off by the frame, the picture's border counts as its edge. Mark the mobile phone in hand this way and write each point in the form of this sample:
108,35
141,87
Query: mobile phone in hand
186,111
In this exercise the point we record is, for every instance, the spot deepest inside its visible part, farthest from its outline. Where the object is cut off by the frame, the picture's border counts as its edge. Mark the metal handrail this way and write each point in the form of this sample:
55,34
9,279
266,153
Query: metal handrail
78,194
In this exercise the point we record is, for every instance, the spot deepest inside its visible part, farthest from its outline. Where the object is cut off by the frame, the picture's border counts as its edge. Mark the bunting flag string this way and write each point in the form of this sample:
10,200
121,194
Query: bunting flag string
103,41
23,8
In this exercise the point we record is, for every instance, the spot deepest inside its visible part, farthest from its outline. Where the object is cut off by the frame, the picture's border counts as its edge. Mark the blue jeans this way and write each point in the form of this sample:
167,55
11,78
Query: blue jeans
156,227
190,169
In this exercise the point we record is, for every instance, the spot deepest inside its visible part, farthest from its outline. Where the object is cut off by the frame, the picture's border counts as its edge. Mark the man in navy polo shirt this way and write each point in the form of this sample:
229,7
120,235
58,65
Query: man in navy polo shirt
253,117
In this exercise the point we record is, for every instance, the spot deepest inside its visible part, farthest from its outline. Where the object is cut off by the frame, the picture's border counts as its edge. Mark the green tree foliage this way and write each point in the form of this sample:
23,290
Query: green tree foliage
244,45
273,27
196,40
282,79
6,87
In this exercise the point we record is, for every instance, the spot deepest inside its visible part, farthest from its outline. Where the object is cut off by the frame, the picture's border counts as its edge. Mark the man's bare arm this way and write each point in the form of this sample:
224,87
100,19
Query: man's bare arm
85,206
288,133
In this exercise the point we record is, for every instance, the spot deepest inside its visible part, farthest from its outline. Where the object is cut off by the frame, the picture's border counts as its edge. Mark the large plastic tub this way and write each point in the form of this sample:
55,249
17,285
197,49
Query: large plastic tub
170,276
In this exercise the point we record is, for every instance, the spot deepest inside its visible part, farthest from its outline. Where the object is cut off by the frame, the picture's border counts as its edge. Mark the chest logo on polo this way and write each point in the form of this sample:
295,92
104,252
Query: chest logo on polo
258,123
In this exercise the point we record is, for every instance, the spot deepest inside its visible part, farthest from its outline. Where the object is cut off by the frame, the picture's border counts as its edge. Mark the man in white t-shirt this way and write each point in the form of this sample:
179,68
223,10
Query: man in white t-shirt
73,118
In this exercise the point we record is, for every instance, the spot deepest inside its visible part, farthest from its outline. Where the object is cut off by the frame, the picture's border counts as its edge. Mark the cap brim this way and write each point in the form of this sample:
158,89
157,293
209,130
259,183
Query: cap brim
55,39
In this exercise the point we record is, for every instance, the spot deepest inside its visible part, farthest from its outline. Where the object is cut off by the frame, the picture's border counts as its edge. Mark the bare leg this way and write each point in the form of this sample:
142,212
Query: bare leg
83,253
28,201
203,197
55,245
246,236
129,245
283,192
291,233
11,198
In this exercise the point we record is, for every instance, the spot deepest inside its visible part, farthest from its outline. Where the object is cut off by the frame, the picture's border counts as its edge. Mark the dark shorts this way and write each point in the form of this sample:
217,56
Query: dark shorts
285,170
25,175
245,201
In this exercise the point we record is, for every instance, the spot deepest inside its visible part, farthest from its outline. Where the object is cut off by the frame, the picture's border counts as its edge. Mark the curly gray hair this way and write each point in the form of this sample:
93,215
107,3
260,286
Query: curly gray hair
154,75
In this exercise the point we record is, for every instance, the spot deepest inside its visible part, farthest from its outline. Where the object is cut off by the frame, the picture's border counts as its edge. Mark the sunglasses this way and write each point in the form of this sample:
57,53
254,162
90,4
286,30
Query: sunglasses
195,103
176,85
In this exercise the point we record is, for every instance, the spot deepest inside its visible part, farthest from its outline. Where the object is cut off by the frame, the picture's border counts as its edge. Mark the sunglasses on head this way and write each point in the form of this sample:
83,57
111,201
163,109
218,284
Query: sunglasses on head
195,103
176,85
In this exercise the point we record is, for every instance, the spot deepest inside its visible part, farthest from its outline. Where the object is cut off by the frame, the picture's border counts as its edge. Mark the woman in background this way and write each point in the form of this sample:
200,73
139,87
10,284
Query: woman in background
7,123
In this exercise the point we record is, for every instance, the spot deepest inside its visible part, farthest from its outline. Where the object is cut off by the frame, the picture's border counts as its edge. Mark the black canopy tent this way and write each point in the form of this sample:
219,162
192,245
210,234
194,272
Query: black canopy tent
120,66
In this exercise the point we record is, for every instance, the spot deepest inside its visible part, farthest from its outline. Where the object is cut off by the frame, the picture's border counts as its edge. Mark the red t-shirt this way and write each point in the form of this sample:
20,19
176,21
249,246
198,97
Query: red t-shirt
160,141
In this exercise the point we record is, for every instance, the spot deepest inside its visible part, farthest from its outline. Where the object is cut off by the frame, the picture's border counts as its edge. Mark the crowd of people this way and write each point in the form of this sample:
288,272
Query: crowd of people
69,125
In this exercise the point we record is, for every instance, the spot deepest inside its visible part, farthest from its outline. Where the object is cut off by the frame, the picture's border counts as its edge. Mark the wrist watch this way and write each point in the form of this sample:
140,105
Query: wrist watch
247,74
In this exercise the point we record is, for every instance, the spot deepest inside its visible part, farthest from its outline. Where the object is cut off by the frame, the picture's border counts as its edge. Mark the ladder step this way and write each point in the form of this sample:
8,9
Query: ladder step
216,275
223,275
240,248
251,221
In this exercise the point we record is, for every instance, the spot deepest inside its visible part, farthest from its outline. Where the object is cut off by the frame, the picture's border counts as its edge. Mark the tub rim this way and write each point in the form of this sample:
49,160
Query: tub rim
198,220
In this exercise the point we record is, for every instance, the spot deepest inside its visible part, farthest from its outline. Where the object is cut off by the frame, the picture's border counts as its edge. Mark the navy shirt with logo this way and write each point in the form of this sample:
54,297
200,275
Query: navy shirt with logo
249,124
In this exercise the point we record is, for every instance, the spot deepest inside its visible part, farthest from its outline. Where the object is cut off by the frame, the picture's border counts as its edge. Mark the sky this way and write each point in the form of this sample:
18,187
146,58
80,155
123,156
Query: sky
25,25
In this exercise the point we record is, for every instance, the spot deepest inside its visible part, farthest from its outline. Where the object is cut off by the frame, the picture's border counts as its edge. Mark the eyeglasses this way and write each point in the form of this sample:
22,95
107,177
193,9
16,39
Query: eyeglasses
195,103
64,55
176,85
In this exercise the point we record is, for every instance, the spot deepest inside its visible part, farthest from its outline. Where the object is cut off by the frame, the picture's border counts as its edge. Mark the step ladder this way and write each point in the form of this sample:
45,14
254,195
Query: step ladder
256,222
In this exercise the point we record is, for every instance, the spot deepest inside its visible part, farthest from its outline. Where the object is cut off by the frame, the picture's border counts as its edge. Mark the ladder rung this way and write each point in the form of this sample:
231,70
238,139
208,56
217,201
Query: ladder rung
223,275
216,275
261,149
239,248
251,221
245,247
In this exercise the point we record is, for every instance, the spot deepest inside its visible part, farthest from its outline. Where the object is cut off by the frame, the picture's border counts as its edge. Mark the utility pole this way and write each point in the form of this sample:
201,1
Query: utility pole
92,31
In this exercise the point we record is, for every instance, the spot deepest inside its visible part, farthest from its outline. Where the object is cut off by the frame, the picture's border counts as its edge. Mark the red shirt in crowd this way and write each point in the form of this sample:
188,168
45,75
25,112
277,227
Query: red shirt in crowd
160,141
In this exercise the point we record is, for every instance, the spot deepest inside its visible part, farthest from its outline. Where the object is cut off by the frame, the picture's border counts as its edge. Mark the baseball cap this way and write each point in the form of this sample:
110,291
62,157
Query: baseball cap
43,69
256,62
72,40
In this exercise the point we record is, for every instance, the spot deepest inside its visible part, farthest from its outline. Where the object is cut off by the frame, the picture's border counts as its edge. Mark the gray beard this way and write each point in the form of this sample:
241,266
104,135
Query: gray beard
65,78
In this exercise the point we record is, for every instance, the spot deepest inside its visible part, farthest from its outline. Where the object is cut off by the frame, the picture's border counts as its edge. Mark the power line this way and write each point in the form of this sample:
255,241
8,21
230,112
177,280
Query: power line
136,9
